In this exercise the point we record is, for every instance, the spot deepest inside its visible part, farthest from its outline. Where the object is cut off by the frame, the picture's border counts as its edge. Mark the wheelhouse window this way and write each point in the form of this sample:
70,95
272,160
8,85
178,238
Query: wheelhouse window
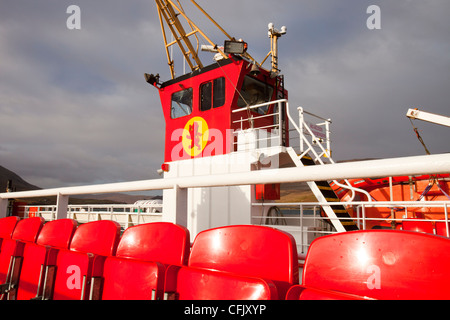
254,92
212,94
181,103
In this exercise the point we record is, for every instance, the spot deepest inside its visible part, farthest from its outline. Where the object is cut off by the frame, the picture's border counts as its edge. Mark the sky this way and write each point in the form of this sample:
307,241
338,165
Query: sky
75,108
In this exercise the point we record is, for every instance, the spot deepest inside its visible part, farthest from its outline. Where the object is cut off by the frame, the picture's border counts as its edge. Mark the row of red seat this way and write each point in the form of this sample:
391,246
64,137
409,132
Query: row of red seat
438,227
376,264
60,260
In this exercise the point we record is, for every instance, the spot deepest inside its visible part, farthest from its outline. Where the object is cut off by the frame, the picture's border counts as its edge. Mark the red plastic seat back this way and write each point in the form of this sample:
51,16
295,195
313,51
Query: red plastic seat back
441,228
7,226
130,279
97,237
418,226
91,243
27,230
164,242
380,264
301,293
57,233
248,250
138,268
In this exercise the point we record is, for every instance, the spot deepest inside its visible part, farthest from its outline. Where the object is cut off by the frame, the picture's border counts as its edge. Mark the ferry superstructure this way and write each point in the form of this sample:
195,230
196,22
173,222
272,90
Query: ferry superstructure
231,139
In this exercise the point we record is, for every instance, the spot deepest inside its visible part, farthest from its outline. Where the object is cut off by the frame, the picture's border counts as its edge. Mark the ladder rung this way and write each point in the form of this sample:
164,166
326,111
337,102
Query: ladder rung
325,188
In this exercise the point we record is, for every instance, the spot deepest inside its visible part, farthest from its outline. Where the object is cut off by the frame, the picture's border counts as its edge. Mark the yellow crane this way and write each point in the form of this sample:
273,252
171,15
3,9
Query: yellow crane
170,12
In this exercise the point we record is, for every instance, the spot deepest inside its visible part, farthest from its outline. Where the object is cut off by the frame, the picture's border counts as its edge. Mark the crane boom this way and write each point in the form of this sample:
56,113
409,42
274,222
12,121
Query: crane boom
429,117
169,14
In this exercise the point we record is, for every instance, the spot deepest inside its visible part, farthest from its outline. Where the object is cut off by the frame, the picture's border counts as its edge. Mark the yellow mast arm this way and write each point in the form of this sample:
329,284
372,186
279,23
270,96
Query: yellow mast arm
246,54
169,12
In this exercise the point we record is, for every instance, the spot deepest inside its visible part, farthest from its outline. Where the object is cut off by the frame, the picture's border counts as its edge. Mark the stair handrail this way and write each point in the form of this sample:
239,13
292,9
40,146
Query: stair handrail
318,157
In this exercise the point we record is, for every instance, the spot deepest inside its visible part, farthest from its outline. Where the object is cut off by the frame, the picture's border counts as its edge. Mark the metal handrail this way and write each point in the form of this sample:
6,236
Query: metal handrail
360,218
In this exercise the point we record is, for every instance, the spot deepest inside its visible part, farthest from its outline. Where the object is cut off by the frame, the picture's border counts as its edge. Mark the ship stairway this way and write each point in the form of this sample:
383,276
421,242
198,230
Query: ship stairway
338,214
315,149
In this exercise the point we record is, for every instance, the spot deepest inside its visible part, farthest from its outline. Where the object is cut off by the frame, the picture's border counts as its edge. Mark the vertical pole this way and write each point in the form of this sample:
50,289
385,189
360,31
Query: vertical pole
300,122
301,228
446,220
280,123
391,196
3,208
274,45
327,129
181,206
175,205
62,204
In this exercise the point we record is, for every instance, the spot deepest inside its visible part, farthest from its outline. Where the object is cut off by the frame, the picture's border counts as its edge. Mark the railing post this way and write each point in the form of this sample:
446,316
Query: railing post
446,220
181,206
300,122
175,205
364,216
280,123
3,208
62,204
301,228
327,130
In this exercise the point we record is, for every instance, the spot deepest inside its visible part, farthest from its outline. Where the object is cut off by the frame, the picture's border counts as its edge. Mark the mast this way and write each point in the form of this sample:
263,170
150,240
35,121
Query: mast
169,14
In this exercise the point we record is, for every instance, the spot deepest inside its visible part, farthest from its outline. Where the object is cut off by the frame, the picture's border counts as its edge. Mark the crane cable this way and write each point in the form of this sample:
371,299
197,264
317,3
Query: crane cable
419,137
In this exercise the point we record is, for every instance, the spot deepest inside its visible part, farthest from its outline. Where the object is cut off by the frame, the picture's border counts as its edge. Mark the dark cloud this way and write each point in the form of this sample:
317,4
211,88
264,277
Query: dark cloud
75,108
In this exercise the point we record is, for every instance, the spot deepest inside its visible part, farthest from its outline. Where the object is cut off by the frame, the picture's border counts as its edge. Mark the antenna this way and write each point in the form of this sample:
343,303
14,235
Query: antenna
274,34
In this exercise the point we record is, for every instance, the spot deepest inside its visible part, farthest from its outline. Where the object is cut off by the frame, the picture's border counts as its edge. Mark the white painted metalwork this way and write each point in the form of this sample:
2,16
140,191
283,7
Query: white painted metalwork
429,117
125,214
263,137
418,165
306,223
319,134
403,166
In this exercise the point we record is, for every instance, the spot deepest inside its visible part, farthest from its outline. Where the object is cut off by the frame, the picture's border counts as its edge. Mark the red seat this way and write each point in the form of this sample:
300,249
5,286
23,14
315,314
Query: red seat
299,292
236,262
92,242
54,235
189,283
139,264
441,229
418,226
7,226
11,252
377,264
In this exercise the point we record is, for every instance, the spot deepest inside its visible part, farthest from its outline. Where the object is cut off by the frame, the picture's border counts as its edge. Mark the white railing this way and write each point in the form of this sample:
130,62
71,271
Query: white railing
319,134
305,217
431,164
125,214
267,135
313,138
404,166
